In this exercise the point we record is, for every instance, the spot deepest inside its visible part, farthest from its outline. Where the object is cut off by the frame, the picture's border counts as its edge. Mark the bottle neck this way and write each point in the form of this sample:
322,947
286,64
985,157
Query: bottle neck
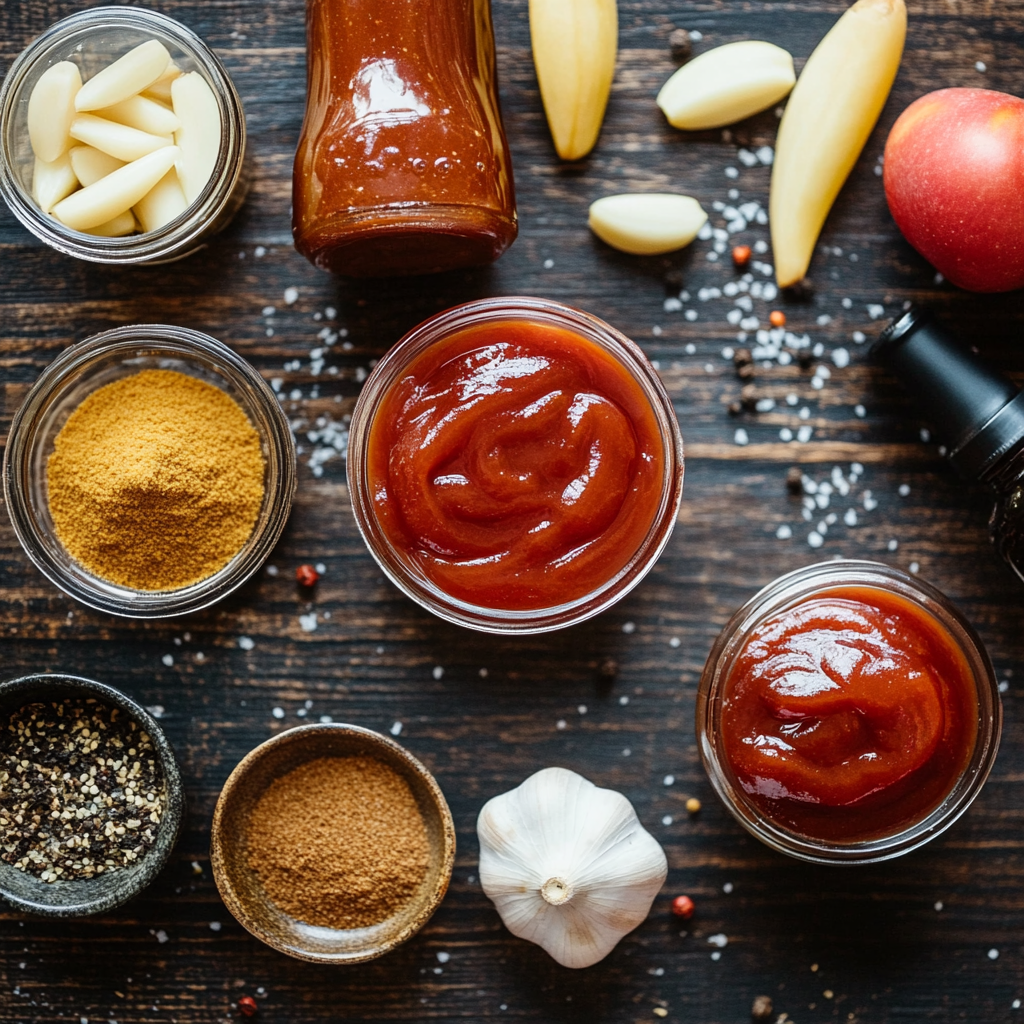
976,411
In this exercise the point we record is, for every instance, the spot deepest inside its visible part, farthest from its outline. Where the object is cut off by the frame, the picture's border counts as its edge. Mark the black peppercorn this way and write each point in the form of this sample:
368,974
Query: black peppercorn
682,46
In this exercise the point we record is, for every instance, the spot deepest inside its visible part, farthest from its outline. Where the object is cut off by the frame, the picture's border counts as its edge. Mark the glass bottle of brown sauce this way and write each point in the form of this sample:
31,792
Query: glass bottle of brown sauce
403,165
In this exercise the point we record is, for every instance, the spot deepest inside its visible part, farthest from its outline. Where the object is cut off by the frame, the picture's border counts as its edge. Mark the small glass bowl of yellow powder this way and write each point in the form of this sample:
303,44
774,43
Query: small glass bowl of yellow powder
149,472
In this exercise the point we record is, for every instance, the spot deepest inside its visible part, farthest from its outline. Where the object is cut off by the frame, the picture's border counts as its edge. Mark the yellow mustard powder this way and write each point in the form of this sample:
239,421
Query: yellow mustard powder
155,481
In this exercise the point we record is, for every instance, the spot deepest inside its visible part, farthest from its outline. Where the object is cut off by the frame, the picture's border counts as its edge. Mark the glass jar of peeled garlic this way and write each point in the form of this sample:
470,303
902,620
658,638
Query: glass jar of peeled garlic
122,139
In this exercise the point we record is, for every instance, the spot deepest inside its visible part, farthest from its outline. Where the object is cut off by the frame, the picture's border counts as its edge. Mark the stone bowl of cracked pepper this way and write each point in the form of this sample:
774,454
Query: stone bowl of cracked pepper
91,801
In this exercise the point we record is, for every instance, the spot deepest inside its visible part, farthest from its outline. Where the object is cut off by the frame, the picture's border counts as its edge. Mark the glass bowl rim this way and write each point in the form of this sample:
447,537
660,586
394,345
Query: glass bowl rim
184,344
802,584
180,236
495,309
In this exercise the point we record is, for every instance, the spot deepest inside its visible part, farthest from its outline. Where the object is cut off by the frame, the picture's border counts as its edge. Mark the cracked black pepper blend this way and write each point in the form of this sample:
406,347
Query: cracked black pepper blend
81,790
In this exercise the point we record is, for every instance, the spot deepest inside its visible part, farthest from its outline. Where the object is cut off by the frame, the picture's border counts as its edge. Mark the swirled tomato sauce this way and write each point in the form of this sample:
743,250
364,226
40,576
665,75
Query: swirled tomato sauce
850,715
518,464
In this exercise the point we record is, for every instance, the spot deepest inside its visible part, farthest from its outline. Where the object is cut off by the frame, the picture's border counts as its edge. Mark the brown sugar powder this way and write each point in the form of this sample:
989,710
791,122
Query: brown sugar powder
155,480
339,842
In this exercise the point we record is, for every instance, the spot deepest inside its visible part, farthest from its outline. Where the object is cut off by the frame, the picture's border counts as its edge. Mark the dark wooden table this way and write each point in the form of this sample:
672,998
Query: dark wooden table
936,936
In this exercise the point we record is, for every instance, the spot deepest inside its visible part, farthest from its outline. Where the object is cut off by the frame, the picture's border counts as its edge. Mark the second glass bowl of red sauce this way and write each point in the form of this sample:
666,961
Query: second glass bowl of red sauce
515,465
848,713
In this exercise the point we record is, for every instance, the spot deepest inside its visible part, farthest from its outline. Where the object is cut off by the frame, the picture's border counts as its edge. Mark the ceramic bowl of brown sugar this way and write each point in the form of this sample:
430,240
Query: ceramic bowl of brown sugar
332,843
150,471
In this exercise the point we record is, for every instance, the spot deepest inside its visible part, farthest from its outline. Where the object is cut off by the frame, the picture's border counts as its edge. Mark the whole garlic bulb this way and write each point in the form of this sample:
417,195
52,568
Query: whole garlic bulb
568,865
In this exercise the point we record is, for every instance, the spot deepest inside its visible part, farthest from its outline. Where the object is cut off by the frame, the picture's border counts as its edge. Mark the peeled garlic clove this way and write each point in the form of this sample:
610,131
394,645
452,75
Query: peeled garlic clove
145,114
828,119
162,203
160,90
92,164
52,181
117,140
129,74
574,47
121,225
727,84
51,109
199,135
568,865
647,223
117,192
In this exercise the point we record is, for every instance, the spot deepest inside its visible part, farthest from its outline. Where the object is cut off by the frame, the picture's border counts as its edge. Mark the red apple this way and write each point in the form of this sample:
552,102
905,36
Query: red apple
954,179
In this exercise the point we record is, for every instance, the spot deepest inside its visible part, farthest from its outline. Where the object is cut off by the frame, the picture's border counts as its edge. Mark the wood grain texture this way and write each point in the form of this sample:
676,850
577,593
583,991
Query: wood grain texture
881,948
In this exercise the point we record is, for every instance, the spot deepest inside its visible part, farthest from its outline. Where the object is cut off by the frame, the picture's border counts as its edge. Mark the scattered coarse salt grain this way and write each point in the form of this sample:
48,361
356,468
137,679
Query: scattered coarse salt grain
278,712
915,568
215,926
668,780
785,434
859,411
246,643
674,642
938,906
548,264
443,958
993,954
859,337
980,65
804,434
841,357
560,724
850,518
623,700
727,888
168,660
784,532
269,310
438,672
893,544
732,173
667,819
875,310
291,295
719,939
925,435
582,709
672,305
815,539
629,627
904,490
691,349
740,437
308,622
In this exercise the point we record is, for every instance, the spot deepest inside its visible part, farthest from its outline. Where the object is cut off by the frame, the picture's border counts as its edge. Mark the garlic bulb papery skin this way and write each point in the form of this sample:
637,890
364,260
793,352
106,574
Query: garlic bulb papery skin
568,865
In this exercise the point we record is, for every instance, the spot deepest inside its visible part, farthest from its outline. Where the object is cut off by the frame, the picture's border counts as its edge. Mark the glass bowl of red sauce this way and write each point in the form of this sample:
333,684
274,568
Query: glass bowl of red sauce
515,465
848,713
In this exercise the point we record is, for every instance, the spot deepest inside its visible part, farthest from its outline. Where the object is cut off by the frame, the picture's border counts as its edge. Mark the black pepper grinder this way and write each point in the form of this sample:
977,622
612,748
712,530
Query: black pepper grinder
977,412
